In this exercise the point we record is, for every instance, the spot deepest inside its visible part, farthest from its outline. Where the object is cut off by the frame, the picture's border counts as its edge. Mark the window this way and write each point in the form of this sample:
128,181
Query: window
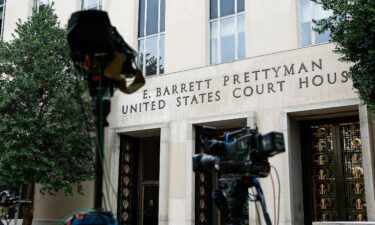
92,4
310,11
227,28
42,3
151,32
334,186
2,16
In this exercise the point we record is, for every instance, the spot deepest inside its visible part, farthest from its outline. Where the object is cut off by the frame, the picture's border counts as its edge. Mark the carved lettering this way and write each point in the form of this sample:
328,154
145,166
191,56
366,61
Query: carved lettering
345,76
302,67
314,64
276,71
289,71
266,72
317,80
240,85
332,78
304,81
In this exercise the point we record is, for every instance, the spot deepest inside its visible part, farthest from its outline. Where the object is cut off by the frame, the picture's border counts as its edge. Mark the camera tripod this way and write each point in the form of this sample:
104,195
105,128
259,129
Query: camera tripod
233,194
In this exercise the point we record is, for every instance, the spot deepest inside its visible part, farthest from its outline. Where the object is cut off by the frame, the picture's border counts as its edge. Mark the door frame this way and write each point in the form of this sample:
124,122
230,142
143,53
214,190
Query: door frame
218,121
112,151
307,157
142,184
290,124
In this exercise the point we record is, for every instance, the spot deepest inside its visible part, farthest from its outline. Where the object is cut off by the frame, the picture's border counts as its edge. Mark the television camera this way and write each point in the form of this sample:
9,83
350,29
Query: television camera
107,62
239,157
100,53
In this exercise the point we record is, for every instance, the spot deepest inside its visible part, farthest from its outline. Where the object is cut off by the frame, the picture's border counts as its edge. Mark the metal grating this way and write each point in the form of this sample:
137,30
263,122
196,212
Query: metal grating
127,182
355,199
336,167
203,199
324,176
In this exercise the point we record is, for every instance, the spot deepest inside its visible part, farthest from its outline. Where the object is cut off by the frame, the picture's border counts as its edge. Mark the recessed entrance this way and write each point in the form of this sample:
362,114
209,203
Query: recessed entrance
139,180
206,212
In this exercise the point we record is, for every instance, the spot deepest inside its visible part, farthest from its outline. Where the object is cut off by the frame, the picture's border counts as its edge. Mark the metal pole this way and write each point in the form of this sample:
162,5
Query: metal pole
99,156
98,188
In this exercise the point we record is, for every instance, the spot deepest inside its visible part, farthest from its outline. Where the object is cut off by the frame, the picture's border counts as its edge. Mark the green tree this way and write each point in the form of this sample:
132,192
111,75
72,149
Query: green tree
352,27
44,124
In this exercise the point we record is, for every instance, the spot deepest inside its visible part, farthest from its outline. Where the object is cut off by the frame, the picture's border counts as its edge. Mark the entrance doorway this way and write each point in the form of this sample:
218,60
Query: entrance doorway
333,179
139,180
206,212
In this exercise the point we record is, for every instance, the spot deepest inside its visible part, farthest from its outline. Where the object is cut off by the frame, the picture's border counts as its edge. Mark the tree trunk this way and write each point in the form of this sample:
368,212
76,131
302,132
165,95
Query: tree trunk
28,211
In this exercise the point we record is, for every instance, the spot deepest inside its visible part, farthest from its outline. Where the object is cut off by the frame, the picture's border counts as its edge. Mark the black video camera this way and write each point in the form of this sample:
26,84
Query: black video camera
100,53
244,152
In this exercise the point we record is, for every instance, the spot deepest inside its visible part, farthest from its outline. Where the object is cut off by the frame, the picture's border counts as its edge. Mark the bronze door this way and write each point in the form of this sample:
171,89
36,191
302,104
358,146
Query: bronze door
206,212
149,183
139,181
332,171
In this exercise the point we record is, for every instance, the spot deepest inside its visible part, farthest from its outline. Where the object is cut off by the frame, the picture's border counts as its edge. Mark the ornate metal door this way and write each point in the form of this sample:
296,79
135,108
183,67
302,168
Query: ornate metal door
128,181
203,189
139,181
206,212
333,171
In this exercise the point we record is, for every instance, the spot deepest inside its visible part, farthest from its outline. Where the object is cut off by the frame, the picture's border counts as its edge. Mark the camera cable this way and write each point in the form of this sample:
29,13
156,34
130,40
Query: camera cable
279,195
262,201
256,205
274,198
252,197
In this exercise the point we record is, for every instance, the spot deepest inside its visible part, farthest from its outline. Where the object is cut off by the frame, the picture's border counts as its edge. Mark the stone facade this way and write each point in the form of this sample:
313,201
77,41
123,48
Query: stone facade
276,87
232,93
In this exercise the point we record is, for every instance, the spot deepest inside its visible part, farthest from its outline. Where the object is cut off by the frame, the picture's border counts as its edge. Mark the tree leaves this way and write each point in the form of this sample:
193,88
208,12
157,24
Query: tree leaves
352,28
44,123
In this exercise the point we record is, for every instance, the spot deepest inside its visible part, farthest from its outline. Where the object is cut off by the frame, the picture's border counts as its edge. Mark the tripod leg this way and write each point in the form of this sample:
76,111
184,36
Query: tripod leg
231,208
264,207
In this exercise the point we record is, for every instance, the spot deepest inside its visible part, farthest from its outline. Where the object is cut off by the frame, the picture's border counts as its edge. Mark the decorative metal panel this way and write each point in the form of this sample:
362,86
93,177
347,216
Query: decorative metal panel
355,198
127,182
203,190
203,199
324,176
337,179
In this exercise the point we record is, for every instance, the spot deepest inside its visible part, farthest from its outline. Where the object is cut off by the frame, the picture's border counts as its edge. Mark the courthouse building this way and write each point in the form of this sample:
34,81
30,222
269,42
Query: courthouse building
226,64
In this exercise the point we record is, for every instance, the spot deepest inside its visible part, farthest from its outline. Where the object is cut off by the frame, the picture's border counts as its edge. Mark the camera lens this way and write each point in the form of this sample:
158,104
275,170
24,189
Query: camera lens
203,162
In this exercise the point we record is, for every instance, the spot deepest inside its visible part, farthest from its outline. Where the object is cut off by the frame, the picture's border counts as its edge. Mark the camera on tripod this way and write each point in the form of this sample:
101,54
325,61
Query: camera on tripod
239,157
243,152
